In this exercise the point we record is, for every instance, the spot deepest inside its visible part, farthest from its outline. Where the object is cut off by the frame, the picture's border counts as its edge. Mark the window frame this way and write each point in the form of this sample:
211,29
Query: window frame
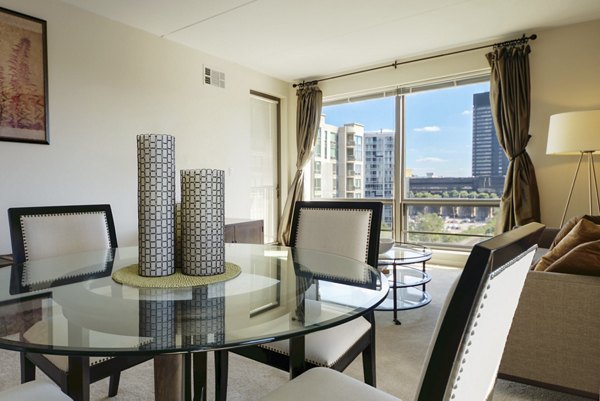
400,202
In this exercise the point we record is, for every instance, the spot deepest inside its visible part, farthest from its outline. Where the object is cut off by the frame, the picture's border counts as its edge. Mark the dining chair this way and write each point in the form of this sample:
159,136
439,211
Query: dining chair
49,231
469,338
345,228
34,391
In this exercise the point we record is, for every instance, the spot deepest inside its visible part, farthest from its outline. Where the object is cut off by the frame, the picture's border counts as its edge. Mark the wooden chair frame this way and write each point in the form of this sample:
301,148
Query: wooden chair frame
295,363
76,381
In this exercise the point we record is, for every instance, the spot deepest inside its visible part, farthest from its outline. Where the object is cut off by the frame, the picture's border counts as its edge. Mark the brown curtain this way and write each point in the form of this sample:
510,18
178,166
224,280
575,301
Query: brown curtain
310,100
510,103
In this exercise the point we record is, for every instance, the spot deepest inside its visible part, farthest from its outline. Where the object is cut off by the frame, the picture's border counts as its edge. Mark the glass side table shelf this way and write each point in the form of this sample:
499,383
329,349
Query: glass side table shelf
404,280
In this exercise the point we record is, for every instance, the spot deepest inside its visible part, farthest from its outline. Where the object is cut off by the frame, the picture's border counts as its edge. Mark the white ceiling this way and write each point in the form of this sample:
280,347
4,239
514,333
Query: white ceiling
304,39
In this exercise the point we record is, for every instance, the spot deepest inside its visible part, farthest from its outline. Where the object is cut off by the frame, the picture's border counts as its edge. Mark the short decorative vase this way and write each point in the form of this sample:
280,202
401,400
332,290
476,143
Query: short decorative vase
156,205
203,222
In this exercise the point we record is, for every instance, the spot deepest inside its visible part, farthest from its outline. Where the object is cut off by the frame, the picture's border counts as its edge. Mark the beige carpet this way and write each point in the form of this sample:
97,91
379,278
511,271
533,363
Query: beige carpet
400,354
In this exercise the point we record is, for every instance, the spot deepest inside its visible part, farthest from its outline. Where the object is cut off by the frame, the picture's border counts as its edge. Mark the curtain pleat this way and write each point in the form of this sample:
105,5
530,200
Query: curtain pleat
310,102
510,103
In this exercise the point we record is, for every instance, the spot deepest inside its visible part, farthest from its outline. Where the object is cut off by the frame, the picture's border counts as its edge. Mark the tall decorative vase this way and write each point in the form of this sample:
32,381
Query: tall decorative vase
156,205
203,221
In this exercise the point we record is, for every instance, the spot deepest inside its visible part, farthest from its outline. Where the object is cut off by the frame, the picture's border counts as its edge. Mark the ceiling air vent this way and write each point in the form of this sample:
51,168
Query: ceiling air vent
214,77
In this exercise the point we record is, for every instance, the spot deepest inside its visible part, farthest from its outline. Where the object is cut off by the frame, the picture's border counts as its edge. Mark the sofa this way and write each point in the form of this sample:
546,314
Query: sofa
554,341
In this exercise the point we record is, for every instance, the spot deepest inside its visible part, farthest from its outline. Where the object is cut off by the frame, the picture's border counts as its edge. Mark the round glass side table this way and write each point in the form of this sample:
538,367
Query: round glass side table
404,280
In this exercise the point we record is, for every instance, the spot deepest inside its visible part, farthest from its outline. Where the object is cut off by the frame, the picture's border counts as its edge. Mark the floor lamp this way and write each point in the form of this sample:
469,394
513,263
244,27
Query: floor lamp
576,133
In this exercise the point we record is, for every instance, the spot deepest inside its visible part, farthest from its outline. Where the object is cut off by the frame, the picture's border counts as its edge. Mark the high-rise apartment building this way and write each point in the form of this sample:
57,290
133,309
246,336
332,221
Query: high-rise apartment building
379,164
351,161
338,167
325,162
488,158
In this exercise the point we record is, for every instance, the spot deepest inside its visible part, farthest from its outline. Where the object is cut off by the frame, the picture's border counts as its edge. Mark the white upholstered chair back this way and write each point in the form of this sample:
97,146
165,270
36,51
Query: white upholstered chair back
344,231
43,232
349,229
487,313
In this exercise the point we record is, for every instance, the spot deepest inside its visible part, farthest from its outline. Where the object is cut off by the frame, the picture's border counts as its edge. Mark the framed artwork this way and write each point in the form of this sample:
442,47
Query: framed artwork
23,78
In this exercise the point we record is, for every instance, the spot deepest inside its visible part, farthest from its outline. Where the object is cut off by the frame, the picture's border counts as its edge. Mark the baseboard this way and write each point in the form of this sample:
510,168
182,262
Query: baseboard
585,394
451,258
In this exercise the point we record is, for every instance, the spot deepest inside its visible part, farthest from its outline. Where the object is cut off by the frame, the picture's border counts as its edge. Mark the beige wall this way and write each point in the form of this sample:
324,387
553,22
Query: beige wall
565,76
108,83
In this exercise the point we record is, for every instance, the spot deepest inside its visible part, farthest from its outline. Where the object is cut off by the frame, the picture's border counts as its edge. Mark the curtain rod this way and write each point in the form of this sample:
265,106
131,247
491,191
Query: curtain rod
396,63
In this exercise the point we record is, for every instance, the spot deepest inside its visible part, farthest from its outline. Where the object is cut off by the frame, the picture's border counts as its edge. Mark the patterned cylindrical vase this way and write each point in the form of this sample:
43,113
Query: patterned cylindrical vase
156,205
178,237
203,221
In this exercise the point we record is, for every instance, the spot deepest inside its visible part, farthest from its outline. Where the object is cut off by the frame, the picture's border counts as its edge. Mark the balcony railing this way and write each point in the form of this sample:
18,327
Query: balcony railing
441,223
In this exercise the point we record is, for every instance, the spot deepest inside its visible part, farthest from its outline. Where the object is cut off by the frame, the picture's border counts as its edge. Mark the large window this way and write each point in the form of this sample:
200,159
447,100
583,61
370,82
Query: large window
441,140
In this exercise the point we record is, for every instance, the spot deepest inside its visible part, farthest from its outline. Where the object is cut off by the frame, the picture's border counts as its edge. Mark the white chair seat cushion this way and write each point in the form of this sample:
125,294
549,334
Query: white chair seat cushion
34,391
38,334
326,347
327,384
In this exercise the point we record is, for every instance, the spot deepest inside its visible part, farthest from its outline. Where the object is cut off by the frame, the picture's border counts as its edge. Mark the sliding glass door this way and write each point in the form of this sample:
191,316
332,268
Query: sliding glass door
265,162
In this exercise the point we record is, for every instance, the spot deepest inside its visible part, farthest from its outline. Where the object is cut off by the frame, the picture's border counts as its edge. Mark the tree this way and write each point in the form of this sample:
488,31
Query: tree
428,222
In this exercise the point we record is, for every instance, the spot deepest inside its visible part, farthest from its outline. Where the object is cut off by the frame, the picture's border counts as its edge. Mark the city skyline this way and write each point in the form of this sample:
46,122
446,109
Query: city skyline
438,126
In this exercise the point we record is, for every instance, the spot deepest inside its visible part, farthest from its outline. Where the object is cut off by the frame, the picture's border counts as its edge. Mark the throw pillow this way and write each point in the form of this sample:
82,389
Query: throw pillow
584,231
565,229
568,226
583,259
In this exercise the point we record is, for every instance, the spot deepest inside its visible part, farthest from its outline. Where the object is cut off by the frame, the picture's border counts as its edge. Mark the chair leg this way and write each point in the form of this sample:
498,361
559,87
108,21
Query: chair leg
368,355
27,369
78,378
368,358
222,374
113,384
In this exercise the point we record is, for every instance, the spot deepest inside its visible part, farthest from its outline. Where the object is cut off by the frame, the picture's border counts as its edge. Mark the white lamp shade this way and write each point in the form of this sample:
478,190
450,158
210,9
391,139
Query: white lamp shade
574,132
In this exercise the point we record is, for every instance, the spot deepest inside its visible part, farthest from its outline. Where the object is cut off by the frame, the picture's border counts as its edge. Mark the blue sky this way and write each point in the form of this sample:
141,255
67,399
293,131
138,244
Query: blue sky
438,126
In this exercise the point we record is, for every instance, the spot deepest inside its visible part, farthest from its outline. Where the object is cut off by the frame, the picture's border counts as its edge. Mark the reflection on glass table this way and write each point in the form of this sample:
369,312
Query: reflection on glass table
281,293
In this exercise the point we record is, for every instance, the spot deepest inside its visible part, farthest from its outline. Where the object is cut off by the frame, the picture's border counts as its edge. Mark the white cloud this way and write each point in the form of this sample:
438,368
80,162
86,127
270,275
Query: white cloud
430,160
429,128
467,112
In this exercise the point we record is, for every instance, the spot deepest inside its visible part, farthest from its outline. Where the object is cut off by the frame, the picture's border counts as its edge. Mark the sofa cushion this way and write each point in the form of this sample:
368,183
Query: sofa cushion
583,231
583,259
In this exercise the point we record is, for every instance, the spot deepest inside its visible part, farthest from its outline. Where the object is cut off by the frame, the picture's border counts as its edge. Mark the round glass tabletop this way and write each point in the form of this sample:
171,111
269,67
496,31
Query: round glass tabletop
70,304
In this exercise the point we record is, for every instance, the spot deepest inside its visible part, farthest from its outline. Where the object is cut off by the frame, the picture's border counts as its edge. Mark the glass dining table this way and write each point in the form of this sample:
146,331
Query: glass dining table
280,293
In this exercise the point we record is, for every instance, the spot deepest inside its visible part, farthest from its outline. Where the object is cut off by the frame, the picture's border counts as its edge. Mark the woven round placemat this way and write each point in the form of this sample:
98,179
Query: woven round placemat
129,276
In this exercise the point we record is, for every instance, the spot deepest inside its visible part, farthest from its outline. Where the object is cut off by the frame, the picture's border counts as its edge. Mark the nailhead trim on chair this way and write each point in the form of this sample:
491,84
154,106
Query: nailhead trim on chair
25,280
54,215
471,334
